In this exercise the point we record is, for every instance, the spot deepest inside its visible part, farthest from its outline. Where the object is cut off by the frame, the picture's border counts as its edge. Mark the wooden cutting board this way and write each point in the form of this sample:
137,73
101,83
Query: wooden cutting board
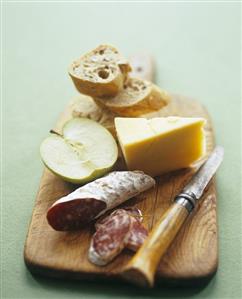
192,258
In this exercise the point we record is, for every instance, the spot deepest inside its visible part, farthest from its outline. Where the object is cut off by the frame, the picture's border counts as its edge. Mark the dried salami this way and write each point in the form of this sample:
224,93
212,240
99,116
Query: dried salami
90,201
137,235
132,211
121,229
110,239
135,212
73,214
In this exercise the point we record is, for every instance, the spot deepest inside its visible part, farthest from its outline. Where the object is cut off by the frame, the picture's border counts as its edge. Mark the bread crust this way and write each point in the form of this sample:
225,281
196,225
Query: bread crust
100,73
153,99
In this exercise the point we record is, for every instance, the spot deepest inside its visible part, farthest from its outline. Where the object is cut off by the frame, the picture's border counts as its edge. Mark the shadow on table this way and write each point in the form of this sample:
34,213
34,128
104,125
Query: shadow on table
109,289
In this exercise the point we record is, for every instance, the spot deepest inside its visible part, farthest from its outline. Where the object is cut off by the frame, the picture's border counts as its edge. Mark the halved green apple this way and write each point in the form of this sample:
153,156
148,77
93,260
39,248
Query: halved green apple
84,151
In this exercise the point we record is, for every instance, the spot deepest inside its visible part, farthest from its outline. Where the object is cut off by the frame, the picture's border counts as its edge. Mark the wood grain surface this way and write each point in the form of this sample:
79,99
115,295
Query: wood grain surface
193,256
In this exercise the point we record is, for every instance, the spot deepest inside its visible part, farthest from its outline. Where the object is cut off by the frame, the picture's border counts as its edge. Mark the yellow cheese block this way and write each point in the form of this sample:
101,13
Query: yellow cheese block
162,144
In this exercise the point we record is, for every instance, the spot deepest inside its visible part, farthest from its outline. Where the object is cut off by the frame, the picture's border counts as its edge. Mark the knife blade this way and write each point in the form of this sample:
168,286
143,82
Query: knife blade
202,177
196,186
142,267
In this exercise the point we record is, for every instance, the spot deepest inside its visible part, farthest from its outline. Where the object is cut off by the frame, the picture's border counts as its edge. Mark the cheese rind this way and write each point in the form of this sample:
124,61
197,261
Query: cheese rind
159,145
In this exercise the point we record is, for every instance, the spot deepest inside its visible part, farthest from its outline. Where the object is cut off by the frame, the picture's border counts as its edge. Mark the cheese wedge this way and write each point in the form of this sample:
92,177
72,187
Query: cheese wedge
162,144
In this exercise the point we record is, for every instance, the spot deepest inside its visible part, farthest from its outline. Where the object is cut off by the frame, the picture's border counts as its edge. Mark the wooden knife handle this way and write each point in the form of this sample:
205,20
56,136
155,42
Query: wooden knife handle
142,267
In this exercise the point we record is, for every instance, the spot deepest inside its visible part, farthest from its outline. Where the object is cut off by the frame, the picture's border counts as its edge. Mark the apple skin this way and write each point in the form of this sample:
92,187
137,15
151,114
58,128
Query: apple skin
96,173
93,176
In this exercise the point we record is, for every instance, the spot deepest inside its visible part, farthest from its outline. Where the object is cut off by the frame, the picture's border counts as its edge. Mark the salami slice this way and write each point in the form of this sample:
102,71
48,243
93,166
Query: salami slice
121,229
109,240
105,219
90,201
135,212
132,211
137,235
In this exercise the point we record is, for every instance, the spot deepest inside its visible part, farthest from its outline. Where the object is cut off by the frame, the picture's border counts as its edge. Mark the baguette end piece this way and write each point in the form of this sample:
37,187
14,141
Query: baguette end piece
100,73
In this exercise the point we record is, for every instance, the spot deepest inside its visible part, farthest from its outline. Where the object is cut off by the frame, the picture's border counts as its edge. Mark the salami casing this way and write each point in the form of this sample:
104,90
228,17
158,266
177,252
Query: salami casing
90,201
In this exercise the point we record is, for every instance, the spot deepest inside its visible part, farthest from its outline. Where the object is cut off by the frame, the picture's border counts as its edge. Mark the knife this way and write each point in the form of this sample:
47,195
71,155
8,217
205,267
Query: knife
141,268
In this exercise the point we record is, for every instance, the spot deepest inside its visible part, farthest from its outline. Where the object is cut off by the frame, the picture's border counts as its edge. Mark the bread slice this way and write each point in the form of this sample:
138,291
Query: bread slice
138,97
100,73
84,106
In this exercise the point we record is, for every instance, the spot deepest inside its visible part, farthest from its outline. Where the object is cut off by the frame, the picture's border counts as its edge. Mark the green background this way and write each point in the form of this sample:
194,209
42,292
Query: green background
197,52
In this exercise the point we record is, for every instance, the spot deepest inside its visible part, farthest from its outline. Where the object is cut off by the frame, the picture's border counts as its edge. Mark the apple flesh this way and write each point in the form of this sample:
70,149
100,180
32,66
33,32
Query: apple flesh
84,151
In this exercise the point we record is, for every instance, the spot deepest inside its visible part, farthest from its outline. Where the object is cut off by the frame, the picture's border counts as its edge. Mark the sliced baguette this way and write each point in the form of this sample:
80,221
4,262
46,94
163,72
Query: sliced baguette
138,97
100,73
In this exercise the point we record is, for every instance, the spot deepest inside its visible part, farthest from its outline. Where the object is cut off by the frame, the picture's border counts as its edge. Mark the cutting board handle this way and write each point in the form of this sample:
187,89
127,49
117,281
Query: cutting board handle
142,267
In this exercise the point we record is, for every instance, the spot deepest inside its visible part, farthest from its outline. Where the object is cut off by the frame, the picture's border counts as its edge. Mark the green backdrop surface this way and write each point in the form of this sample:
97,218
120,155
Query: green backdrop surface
197,51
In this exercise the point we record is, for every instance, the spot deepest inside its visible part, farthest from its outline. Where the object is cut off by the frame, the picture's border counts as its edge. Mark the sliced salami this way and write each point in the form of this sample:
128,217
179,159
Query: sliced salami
105,219
137,235
109,240
132,211
121,229
135,212
90,201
